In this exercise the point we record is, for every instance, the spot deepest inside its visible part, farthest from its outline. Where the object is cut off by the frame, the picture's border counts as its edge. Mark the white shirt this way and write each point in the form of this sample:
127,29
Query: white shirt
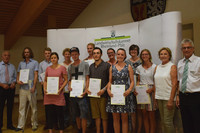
90,61
146,75
163,81
193,80
65,65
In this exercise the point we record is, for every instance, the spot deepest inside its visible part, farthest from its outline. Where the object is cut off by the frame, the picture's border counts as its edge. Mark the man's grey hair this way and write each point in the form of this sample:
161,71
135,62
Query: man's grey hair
187,41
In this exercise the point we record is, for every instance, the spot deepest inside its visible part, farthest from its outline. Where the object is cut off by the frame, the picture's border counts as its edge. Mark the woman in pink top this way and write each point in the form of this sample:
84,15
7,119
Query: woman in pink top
55,103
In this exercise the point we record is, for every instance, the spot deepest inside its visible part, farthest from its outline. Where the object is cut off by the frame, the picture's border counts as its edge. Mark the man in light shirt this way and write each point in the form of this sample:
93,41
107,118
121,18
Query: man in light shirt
7,88
28,90
189,88
43,65
41,73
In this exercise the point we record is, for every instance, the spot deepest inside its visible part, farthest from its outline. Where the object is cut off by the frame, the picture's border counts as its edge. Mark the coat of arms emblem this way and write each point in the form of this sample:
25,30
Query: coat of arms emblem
142,9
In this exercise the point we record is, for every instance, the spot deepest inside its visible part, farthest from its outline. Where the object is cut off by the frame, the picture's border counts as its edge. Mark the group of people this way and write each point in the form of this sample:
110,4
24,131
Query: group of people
170,86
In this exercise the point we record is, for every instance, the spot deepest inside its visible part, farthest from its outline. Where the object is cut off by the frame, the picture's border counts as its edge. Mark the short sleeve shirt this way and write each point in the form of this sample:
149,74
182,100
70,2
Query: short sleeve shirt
11,70
58,100
78,72
101,72
32,65
42,68
193,80
146,75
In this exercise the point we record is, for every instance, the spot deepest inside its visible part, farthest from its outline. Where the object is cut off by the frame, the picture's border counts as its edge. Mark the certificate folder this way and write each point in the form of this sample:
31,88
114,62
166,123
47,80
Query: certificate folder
118,95
77,88
52,85
143,97
24,76
94,87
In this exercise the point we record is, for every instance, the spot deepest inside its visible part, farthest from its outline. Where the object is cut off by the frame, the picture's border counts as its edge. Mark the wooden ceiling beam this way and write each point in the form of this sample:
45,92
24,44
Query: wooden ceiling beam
27,13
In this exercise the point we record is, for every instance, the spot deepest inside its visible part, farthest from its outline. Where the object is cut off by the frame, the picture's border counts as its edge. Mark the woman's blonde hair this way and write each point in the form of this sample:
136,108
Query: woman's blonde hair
168,50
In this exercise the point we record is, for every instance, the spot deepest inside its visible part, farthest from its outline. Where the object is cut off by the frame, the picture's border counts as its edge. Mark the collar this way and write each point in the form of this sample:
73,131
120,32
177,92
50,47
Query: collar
4,63
165,64
47,61
99,64
191,59
30,60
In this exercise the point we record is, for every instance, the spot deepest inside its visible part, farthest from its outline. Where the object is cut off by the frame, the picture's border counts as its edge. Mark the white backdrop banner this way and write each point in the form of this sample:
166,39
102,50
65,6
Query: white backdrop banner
153,33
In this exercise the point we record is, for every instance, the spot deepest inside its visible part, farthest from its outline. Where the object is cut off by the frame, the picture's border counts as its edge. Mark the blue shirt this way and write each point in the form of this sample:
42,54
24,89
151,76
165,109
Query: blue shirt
11,70
42,68
32,65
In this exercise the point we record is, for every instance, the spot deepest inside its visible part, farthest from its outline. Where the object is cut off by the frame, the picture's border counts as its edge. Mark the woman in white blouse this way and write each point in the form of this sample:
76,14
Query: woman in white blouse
165,89
145,73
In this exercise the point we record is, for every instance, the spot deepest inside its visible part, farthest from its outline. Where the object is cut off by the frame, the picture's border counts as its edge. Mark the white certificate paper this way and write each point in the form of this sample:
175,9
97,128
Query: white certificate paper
52,85
94,87
118,95
42,75
24,75
143,97
77,88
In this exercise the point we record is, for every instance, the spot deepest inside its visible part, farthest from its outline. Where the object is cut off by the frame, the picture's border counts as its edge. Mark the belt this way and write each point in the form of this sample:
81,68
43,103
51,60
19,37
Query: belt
189,93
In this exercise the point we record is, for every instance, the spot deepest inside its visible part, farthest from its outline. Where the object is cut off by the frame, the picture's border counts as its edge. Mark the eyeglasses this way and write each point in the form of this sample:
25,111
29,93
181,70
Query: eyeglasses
145,54
184,48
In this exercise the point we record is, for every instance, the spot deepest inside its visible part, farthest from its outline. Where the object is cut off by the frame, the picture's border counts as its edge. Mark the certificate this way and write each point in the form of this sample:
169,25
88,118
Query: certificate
52,85
24,75
118,95
42,75
143,97
77,88
94,87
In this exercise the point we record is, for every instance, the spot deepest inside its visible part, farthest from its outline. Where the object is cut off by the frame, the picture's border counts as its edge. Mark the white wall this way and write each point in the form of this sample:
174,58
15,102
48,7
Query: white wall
104,13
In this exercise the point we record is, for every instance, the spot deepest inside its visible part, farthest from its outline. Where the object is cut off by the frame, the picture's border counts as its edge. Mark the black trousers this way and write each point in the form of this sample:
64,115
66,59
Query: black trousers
67,110
6,95
45,106
55,112
190,111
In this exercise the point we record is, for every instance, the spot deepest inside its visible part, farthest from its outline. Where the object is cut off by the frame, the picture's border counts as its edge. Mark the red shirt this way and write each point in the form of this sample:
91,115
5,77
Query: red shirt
58,100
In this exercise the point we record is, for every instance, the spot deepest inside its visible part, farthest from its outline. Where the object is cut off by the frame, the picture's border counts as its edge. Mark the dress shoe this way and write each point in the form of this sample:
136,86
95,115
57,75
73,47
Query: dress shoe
34,128
11,127
56,127
45,127
79,130
69,127
18,129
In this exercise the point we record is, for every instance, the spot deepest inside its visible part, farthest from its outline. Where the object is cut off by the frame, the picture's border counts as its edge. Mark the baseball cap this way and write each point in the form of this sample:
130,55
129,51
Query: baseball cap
74,49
